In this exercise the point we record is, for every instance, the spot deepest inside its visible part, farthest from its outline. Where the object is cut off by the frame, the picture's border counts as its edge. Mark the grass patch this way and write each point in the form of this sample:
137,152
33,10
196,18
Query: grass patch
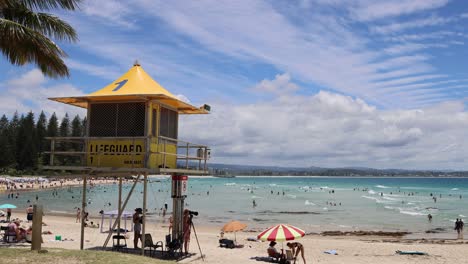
66,256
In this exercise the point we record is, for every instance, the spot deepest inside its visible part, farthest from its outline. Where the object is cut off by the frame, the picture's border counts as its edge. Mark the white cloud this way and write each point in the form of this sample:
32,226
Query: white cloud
105,72
321,49
412,47
367,10
111,11
418,23
328,54
329,129
30,91
280,85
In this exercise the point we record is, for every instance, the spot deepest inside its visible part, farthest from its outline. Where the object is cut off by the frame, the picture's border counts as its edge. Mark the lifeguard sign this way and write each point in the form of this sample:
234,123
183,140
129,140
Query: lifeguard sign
133,123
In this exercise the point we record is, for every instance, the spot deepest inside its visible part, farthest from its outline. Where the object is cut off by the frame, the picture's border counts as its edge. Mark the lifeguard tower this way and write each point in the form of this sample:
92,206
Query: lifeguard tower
132,129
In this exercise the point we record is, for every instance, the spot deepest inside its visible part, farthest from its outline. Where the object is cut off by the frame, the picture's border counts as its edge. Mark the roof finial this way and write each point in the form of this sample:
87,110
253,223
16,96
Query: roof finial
136,63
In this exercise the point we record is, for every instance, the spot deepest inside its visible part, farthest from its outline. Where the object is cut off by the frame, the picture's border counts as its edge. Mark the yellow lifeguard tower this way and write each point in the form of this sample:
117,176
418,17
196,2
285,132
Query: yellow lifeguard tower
132,129
132,126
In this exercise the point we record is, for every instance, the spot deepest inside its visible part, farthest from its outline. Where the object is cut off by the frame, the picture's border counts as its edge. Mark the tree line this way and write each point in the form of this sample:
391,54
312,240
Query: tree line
23,140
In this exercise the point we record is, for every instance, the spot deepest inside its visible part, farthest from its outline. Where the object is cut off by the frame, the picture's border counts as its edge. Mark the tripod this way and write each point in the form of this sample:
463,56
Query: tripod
196,237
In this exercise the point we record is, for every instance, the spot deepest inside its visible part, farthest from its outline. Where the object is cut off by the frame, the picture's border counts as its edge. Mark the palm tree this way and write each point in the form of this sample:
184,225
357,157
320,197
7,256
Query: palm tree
26,34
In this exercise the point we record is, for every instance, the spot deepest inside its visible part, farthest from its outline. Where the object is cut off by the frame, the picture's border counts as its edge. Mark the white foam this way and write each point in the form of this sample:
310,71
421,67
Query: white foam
230,184
382,186
390,199
371,192
272,184
308,203
369,197
403,211
291,196
389,207
256,197
462,215
454,189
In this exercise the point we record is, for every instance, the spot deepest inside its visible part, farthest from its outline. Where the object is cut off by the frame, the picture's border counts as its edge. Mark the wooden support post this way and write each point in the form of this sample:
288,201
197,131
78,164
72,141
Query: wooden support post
37,228
143,229
83,212
120,206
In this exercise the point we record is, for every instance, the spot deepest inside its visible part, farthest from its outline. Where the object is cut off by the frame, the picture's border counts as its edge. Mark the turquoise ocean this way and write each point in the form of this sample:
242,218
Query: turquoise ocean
367,203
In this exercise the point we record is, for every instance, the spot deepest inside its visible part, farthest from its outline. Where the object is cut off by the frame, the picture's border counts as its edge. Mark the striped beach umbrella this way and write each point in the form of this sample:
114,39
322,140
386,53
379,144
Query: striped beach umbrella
281,233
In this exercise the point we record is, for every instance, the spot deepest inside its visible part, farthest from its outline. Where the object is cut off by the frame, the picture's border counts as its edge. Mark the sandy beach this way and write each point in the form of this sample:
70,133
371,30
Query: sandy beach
351,249
29,183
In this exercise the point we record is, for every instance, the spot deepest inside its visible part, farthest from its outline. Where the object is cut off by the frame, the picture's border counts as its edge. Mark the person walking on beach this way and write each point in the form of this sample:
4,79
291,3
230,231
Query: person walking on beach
296,248
137,220
429,218
78,215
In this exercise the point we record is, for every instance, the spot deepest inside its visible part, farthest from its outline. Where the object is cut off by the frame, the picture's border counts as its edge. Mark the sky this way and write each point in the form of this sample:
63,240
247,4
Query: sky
330,83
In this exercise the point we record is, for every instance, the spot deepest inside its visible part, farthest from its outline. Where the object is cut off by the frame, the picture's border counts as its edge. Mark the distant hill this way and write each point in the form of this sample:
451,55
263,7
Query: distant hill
252,170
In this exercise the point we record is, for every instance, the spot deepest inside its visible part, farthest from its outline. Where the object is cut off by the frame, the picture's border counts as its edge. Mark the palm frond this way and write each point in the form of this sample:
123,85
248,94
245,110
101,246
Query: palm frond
47,24
44,4
23,45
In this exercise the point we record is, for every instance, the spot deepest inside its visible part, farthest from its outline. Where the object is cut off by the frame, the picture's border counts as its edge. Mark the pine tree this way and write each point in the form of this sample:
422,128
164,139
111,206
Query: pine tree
83,126
76,131
52,131
76,127
26,144
12,136
64,131
41,131
5,153
52,126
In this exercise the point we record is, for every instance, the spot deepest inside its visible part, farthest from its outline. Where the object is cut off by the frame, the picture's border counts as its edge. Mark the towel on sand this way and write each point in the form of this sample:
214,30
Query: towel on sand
331,252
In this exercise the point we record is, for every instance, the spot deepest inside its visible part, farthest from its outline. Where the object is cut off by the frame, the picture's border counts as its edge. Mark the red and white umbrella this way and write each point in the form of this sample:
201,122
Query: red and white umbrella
281,232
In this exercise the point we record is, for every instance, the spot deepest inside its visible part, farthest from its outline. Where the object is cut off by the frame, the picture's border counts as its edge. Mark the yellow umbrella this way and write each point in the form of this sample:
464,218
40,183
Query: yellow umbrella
233,226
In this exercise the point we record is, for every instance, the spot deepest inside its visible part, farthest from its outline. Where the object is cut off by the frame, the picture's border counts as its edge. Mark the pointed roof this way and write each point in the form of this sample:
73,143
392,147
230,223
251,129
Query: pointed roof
134,85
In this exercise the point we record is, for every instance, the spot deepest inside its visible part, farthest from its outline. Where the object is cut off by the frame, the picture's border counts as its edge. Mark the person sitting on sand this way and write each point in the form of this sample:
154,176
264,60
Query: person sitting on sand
273,252
14,229
296,248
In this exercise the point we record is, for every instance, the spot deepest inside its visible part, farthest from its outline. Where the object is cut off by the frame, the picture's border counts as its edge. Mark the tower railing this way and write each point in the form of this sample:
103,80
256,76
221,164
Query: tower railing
74,153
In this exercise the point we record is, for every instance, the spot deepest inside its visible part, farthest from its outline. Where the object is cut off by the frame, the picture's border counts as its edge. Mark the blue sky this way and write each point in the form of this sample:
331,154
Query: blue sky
388,60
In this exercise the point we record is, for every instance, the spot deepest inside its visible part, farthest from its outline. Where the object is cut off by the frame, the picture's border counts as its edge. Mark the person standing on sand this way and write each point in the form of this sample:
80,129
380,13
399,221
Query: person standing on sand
429,218
29,213
187,228
8,214
458,228
296,248
137,220
78,215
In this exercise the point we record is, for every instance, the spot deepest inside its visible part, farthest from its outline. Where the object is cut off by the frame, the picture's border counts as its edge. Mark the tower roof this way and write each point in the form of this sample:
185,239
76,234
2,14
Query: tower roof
134,85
